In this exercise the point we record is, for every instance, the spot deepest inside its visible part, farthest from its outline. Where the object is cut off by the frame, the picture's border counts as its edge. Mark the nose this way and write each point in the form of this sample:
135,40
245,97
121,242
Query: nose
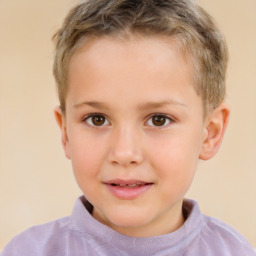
126,148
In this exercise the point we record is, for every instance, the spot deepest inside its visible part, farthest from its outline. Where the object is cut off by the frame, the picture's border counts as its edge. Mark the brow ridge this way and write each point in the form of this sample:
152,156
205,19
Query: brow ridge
142,106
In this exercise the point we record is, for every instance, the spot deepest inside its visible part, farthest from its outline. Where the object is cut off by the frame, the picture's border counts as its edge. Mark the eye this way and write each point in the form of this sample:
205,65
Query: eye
96,120
159,120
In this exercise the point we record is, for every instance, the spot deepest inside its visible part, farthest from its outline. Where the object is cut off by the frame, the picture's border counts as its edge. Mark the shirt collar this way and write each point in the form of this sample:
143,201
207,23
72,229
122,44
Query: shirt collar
177,241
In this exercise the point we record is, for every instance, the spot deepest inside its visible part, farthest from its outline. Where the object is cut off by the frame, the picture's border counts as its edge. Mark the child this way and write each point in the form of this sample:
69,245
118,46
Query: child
141,87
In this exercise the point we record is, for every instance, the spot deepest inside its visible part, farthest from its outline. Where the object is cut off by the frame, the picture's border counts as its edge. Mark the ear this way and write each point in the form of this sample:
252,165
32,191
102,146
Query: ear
61,121
215,126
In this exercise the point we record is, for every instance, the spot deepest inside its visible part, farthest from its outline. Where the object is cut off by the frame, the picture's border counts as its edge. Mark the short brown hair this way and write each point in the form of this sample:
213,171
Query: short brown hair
192,27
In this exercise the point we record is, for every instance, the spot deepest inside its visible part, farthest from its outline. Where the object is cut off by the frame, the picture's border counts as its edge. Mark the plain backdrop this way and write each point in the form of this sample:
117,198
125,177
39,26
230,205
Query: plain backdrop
36,181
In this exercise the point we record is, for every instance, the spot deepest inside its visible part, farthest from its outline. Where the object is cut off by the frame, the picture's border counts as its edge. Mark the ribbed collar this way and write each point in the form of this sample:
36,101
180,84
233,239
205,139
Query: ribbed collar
175,242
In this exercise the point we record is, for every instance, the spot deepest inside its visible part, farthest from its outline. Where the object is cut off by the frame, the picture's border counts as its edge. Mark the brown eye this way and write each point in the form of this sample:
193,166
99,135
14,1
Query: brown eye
159,120
97,120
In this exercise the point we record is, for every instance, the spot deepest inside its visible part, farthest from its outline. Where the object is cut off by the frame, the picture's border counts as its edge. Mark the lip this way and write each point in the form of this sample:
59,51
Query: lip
127,189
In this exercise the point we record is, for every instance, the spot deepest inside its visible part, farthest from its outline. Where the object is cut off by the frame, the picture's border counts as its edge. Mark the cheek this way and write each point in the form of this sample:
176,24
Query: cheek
175,165
175,155
86,156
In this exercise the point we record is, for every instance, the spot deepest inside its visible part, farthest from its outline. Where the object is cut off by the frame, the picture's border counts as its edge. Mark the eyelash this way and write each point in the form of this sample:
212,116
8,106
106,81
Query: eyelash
166,118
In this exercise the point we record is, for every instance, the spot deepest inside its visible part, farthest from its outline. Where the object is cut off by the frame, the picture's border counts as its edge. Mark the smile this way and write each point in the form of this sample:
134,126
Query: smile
129,185
127,189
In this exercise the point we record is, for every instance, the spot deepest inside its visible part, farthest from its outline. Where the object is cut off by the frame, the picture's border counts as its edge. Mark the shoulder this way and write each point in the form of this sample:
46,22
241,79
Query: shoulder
37,239
211,236
224,239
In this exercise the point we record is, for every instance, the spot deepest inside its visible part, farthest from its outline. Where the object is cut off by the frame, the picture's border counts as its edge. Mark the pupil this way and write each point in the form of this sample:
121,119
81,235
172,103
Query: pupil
159,120
98,120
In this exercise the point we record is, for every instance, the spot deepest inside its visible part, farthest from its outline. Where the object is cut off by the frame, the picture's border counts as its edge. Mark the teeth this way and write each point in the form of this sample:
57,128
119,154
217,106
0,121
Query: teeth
128,185
132,185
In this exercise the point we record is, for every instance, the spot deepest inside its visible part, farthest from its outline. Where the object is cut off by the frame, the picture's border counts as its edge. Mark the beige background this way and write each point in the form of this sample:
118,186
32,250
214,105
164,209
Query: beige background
36,181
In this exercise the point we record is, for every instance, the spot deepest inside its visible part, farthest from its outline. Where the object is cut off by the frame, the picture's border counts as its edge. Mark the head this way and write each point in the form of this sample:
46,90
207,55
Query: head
141,85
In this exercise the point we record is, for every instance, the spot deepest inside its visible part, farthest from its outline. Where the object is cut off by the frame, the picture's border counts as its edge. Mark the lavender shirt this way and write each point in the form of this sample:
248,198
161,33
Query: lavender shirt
81,235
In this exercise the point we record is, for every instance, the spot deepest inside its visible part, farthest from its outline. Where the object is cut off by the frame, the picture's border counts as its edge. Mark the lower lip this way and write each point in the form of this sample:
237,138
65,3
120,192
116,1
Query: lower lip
128,193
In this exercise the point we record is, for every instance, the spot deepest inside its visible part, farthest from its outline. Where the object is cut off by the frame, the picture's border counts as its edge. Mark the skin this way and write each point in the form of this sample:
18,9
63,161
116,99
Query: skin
128,82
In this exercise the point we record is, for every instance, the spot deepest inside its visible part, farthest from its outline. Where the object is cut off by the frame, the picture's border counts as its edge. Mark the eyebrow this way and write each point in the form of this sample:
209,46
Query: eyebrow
94,104
141,107
159,104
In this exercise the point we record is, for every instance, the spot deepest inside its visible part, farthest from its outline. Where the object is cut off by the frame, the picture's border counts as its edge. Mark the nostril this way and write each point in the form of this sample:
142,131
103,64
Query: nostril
128,163
125,158
114,162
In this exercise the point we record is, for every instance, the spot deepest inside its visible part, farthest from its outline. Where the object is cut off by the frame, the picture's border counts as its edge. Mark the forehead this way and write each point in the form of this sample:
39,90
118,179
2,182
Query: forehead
139,50
149,66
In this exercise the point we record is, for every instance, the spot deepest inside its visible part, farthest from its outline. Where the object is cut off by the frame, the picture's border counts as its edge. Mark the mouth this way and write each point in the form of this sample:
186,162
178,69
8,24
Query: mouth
127,183
127,189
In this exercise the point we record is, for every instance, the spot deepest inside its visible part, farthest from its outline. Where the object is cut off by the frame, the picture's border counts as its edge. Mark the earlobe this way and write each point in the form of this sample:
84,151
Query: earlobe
215,127
60,119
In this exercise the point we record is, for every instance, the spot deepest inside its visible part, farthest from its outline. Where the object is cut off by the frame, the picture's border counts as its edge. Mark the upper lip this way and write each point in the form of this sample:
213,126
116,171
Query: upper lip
126,182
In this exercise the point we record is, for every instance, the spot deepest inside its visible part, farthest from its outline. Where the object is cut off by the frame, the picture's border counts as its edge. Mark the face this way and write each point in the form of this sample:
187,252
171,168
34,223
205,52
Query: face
133,129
